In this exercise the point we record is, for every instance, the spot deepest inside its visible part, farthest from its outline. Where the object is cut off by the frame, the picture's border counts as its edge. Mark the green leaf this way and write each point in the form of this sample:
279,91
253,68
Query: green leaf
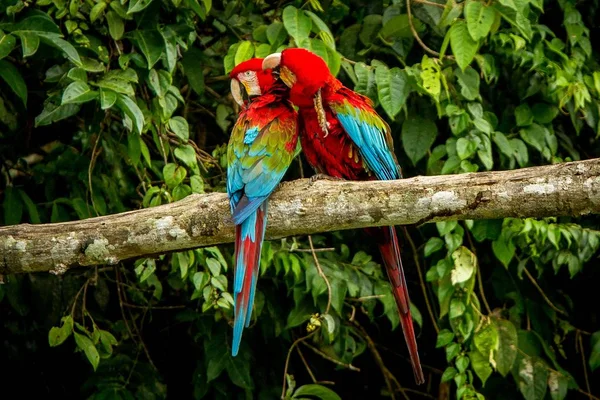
297,23
486,340
532,378
151,44
238,370
97,10
393,89
244,52
318,391
483,229
503,144
132,110
444,337
214,266
544,113
197,184
399,27
464,265
462,44
594,361
78,92
173,174
58,335
449,374
107,98
365,84
85,344
534,135
433,244
418,134
34,216
481,366
192,67
504,250
29,43
52,113
469,83
13,78
507,346
557,385
276,34
180,127
520,152
465,148
66,47
371,25
322,29
137,5
116,26
523,115
480,19
7,44
187,154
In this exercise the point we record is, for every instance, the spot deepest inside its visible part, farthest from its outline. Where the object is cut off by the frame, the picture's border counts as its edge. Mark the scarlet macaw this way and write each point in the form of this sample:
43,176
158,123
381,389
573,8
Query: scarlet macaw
261,148
343,137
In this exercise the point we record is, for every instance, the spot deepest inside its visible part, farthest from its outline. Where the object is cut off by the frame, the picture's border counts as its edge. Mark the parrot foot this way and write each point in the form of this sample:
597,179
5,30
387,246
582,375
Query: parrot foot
318,177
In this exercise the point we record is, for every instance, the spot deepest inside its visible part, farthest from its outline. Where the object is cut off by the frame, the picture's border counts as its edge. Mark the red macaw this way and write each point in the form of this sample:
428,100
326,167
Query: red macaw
343,137
262,146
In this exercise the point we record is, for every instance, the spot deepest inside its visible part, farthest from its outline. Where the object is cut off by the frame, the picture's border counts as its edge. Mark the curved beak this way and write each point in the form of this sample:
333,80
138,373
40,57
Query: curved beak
236,91
271,61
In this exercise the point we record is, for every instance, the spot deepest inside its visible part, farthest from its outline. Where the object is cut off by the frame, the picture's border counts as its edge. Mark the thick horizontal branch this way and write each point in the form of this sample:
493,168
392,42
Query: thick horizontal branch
302,207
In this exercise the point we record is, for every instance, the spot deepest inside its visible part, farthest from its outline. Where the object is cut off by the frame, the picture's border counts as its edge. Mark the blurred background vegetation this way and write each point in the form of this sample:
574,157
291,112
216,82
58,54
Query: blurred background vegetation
113,105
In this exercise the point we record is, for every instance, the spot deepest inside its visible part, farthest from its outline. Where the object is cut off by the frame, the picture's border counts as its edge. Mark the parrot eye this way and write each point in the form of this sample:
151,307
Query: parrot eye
248,73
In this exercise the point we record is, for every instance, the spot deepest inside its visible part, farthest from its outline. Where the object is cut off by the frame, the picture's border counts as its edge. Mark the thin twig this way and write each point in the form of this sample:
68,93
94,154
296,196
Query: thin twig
479,280
333,360
154,307
546,299
312,376
421,280
591,396
322,250
427,395
430,3
366,298
415,34
387,375
91,169
321,273
585,373
287,359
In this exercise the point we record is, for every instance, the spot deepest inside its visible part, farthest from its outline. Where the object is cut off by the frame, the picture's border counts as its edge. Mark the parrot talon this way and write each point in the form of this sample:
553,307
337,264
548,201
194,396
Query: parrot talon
318,177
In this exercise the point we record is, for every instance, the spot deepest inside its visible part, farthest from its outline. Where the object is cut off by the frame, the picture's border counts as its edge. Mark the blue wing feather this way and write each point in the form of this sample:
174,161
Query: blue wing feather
370,139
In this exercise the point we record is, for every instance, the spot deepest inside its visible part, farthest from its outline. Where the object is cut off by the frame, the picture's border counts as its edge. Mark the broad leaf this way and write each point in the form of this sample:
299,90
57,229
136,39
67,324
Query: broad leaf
13,78
463,46
418,134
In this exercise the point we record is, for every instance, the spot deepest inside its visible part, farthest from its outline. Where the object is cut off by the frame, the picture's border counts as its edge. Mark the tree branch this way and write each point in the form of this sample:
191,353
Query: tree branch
302,207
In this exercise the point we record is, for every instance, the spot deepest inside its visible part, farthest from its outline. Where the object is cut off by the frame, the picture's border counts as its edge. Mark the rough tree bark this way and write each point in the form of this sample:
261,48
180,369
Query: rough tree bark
302,207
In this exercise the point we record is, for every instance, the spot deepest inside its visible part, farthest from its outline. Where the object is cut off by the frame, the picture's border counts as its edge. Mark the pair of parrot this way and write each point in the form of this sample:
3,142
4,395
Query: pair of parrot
341,135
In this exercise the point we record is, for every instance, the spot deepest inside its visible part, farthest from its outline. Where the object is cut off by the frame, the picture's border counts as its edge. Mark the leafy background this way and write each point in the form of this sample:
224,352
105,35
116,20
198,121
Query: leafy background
108,106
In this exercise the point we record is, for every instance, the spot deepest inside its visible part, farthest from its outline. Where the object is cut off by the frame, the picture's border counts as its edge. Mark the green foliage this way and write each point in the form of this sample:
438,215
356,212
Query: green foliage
113,106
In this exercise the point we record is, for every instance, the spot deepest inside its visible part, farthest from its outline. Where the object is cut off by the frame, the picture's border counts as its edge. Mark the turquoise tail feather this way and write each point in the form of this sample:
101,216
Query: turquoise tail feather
249,238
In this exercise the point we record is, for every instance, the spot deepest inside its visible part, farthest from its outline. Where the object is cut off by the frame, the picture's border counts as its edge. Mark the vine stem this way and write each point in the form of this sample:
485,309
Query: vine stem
287,359
321,273
421,280
333,360
479,279
585,373
416,34
546,299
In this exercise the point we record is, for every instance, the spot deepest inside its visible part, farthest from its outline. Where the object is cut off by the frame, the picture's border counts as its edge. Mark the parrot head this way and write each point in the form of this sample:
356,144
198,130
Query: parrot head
251,79
304,72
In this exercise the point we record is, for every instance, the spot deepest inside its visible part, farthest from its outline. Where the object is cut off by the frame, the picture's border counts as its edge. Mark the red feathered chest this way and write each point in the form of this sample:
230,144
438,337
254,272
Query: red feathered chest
333,154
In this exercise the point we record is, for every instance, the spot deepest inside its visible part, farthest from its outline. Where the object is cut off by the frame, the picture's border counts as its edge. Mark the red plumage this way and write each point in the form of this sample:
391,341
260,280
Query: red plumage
334,153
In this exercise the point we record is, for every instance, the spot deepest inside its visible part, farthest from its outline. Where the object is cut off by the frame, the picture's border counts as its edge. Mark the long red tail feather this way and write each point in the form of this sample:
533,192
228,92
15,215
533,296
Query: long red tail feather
390,252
